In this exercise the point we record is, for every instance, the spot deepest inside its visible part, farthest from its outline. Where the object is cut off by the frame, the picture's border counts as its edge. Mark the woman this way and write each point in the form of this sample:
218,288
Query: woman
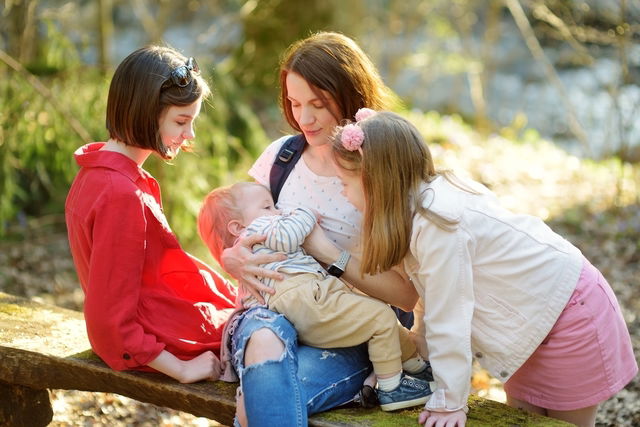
324,79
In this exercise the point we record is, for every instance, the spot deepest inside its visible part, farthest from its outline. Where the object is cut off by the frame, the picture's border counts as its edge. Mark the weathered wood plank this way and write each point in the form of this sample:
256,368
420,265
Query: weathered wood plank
46,347
23,406
214,400
482,413
45,329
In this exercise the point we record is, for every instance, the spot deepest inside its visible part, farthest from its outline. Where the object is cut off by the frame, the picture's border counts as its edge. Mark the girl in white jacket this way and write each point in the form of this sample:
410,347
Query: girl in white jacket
497,286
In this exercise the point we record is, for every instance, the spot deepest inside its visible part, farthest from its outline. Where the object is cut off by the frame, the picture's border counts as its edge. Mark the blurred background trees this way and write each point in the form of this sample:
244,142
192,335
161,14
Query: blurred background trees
568,71
537,99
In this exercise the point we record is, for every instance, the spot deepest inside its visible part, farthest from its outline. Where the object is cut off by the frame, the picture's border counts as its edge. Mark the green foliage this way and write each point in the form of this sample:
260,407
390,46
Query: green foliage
36,141
270,26
37,144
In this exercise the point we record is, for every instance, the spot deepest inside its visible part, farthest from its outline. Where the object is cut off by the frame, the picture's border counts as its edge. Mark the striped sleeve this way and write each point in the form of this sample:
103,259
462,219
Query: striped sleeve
285,233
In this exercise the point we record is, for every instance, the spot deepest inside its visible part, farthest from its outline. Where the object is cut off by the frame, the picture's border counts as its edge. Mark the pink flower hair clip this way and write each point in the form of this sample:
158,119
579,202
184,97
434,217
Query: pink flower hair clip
352,137
364,113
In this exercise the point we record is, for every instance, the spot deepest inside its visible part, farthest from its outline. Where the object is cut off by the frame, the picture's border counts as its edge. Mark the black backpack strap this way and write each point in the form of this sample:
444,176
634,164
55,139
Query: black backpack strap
284,162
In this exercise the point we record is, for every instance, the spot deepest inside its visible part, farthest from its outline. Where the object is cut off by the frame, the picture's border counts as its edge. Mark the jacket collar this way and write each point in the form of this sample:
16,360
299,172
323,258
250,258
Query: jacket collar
90,156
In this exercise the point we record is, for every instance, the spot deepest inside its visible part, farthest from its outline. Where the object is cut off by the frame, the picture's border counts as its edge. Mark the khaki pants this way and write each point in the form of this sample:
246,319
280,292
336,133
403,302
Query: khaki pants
327,314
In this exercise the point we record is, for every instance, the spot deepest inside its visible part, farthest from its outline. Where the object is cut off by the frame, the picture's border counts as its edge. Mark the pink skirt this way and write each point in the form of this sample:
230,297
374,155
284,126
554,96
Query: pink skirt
586,358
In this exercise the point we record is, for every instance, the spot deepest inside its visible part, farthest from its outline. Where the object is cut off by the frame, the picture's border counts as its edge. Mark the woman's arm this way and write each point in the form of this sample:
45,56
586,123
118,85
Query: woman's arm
389,286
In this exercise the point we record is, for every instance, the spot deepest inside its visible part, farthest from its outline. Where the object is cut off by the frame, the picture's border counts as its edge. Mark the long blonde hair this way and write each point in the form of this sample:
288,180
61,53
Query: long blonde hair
394,161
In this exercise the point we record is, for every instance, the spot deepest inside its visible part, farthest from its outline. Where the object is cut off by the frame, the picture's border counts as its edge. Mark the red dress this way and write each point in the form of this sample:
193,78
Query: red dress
143,292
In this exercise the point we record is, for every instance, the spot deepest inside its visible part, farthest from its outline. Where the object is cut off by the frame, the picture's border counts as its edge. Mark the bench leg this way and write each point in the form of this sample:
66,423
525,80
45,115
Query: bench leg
24,406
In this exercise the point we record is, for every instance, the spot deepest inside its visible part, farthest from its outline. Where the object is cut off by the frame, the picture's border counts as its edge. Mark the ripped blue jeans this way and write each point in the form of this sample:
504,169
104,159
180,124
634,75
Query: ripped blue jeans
304,381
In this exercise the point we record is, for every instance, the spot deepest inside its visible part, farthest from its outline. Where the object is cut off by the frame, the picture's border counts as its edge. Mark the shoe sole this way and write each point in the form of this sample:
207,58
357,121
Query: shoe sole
404,404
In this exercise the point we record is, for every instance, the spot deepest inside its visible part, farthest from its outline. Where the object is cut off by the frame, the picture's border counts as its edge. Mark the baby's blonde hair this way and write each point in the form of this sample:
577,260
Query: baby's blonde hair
393,164
220,207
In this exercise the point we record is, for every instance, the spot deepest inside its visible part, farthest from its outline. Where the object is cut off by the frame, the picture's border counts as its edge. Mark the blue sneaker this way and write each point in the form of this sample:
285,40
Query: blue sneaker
410,392
425,375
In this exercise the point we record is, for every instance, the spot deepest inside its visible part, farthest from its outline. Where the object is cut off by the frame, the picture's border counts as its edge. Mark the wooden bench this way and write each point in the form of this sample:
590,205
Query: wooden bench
45,347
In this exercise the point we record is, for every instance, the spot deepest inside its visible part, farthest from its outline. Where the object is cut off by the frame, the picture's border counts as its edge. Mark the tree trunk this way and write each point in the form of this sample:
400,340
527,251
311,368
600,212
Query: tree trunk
22,30
105,30
24,406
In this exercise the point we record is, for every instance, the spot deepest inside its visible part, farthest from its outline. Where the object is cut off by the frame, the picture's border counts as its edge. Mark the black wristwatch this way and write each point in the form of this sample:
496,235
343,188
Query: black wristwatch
337,268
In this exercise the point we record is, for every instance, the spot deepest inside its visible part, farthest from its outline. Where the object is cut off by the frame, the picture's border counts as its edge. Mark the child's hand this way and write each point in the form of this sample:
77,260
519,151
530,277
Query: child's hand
443,419
203,367
317,214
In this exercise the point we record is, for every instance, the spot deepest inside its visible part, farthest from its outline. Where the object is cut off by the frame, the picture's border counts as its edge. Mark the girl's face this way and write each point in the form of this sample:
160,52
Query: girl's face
310,111
352,187
176,126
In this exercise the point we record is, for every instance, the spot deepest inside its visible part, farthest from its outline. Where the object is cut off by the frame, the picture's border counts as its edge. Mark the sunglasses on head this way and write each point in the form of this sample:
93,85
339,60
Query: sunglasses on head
181,76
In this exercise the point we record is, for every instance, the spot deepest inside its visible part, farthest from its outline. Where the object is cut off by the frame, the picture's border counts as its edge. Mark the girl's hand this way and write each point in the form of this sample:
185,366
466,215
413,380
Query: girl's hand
206,366
240,262
443,419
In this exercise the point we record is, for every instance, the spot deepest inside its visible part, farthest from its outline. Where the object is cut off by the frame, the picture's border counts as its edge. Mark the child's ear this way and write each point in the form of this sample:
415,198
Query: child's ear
235,227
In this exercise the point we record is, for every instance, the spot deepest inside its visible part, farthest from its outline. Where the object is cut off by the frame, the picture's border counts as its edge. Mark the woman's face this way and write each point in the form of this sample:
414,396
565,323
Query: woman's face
310,110
176,126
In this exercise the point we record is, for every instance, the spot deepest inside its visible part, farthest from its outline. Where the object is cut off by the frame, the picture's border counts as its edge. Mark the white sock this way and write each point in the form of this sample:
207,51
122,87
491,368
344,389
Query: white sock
414,365
388,384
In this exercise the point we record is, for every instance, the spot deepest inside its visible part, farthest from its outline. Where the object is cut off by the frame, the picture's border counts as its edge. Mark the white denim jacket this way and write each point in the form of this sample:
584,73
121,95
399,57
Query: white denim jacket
493,287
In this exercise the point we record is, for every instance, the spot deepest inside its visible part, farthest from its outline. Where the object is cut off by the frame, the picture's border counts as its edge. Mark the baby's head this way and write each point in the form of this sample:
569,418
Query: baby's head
227,211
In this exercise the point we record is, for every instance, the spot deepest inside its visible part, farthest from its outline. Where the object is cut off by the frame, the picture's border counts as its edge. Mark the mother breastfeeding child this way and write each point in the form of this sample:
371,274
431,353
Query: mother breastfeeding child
324,80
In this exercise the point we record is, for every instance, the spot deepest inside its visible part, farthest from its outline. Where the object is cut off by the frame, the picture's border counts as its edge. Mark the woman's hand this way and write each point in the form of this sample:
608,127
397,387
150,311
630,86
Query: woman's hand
241,263
443,419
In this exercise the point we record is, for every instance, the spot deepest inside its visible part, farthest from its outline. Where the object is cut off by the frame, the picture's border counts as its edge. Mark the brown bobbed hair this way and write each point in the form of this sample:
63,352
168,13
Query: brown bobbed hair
141,91
334,63
394,162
